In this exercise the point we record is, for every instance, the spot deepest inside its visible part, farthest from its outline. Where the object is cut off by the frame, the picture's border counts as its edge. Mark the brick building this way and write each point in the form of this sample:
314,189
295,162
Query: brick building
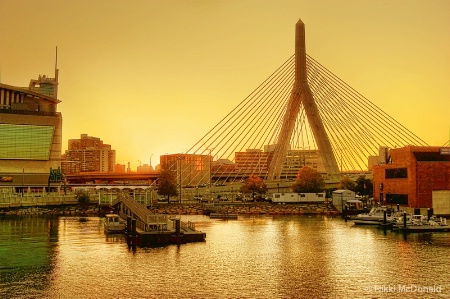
410,175
88,154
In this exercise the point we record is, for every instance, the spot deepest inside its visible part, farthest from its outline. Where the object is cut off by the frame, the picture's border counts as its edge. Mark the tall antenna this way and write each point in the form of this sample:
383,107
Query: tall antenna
56,73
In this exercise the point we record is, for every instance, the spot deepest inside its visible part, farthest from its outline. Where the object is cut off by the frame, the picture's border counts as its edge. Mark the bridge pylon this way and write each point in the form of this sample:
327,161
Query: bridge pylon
301,95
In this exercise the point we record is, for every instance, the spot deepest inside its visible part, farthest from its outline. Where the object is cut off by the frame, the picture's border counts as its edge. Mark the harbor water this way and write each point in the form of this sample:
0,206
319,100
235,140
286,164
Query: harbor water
251,257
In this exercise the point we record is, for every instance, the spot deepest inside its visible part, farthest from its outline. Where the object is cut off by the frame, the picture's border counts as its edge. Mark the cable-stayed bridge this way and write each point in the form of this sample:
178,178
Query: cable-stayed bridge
302,115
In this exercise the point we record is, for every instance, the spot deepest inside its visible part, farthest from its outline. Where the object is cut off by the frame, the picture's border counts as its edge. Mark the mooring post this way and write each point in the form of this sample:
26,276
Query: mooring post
133,230
177,227
404,220
128,225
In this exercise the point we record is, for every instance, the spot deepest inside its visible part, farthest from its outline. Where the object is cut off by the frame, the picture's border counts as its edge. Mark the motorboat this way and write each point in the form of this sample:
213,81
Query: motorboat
374,217
114,224
421,223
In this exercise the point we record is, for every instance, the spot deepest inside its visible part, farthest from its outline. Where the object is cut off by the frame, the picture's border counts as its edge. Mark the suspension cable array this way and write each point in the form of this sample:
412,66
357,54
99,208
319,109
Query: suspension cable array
356,128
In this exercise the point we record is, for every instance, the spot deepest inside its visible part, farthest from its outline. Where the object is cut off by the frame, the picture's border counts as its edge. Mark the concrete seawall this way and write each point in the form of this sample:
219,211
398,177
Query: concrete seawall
247,209
176,209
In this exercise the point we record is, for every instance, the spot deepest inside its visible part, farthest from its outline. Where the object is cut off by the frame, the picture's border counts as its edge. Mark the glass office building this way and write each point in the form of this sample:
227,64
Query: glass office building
30,133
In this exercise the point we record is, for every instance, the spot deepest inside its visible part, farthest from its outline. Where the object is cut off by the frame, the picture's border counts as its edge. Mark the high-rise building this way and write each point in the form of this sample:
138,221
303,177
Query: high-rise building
30,133
88,154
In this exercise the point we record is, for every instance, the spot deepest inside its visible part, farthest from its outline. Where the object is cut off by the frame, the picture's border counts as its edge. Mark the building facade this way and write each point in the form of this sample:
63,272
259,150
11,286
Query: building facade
297,159
88,154
253,161
410,175
191,169
30,133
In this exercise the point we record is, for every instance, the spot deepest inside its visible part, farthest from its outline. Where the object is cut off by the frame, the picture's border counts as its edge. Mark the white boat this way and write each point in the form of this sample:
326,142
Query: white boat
375,216
421,223
114,224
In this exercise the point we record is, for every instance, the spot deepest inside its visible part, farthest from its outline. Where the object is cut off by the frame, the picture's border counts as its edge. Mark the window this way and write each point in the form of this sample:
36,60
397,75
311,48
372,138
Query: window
396,173
25,142
401,199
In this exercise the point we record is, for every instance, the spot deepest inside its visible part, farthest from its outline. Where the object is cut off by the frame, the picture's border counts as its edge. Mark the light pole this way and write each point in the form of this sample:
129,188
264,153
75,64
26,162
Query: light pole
210,165
23,179
179,169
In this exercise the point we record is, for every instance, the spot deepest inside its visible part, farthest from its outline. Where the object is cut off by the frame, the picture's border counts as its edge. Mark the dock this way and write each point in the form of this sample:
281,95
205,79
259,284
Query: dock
223,216
146,229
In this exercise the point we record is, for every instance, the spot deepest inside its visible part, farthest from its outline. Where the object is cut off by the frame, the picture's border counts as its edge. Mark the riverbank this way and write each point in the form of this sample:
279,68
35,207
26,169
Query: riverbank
178,209
245,209
59,210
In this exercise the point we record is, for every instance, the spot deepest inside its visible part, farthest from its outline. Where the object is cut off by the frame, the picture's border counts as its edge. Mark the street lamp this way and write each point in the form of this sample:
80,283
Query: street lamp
210,165
179,169
232,194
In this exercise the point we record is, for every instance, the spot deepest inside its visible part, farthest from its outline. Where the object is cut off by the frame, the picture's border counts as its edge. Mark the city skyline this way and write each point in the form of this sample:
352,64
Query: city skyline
152,78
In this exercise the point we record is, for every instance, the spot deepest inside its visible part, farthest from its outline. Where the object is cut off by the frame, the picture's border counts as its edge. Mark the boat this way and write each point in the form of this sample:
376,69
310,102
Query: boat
114,224
421,224
374,217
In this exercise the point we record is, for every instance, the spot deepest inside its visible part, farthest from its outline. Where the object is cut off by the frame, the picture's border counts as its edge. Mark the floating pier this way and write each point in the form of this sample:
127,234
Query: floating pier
149,230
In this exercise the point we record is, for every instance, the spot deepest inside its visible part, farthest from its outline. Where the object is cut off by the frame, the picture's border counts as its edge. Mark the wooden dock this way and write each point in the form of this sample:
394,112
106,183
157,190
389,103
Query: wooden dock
148,230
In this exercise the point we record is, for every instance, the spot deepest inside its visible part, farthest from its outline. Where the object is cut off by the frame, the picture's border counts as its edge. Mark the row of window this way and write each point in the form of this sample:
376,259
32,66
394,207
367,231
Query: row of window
25,142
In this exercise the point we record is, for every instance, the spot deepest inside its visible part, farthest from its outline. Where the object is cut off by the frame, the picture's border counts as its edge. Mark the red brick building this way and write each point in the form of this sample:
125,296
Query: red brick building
410,175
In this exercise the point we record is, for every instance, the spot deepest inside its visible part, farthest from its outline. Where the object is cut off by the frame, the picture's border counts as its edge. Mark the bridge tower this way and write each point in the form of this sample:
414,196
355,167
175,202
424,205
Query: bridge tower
301,94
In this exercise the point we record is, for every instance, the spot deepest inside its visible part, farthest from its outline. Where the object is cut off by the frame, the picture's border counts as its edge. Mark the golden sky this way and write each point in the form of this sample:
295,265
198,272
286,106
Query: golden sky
152,77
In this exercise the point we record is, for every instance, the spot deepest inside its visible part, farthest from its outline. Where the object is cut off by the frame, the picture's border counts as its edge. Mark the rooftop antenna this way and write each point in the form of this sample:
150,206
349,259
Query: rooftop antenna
56,73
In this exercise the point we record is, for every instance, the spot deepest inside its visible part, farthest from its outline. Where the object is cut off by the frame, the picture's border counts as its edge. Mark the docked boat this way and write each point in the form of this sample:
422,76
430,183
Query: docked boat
114,224
421,223
374,217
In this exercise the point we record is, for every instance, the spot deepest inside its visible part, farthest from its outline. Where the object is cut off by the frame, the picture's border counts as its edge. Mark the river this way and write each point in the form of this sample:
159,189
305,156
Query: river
252,257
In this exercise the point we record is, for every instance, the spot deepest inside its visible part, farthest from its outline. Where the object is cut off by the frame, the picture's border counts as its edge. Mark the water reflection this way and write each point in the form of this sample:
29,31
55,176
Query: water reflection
26,254
252,257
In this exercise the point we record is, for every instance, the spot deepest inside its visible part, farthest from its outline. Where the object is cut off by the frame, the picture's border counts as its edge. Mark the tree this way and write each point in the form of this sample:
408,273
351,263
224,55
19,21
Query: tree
308,181
83,198
254,185
364,186
347,183
167,182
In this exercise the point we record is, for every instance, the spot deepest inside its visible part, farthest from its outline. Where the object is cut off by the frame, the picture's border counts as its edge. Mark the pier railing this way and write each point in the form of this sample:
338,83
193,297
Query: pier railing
28,199
145,220
187,225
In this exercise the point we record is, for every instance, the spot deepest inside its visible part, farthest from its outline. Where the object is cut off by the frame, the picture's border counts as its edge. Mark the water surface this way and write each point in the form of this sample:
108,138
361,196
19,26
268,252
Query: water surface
260,257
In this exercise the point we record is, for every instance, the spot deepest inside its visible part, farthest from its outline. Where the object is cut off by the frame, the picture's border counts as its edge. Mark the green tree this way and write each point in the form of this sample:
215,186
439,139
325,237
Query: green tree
254,185
308,181
167,182
364,186
347,183
83,198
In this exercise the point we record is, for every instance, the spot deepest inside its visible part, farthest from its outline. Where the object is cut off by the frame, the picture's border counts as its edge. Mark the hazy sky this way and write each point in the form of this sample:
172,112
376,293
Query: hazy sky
152,77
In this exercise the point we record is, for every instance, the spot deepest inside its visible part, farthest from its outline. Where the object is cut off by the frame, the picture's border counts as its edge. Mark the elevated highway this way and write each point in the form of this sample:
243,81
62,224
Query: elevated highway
112,177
